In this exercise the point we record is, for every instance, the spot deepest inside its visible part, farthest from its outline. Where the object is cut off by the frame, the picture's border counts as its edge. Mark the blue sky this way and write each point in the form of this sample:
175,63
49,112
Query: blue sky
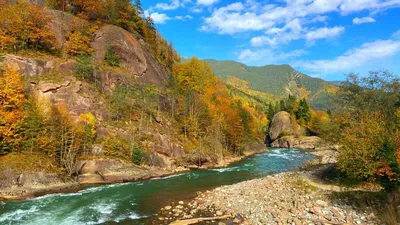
322,38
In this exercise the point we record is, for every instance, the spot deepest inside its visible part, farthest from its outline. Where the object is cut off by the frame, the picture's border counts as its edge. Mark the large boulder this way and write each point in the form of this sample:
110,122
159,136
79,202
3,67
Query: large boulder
124,45
281,123
301,142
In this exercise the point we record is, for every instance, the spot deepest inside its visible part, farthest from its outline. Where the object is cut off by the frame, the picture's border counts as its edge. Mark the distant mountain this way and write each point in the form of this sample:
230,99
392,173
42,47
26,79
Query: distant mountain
336,82
276,80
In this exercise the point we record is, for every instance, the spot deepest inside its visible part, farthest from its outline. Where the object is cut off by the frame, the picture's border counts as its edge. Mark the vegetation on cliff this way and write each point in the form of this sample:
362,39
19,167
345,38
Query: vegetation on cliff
102,103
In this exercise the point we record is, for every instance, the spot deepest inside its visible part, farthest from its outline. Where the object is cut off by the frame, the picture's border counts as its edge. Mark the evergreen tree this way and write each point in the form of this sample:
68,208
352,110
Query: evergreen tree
139,8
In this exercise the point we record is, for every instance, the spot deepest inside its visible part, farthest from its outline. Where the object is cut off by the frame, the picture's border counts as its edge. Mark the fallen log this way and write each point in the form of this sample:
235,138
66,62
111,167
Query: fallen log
198,220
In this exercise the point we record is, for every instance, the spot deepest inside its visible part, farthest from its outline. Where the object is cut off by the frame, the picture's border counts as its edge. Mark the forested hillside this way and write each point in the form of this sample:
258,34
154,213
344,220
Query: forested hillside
277,80
94,79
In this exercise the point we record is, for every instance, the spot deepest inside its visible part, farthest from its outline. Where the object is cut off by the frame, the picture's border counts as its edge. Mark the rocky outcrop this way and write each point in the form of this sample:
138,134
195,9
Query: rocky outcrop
102,171
28,66
124,45
302,142
15,185
281,124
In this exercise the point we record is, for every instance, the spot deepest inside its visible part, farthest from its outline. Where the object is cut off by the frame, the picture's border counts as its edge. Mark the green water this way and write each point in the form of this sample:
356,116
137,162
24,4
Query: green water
138,202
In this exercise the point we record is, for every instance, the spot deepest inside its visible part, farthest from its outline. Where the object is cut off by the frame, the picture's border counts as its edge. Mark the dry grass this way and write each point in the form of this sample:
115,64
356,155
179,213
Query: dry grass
32,162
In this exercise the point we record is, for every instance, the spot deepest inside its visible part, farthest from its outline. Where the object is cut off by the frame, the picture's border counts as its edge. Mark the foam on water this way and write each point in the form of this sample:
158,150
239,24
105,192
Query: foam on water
227,169
167,177
18,214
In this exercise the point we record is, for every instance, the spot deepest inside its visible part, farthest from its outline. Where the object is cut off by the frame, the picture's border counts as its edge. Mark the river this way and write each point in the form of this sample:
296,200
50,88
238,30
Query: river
138,202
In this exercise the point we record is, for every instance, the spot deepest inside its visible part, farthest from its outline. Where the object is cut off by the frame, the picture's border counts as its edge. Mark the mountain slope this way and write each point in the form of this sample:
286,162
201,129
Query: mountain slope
278,80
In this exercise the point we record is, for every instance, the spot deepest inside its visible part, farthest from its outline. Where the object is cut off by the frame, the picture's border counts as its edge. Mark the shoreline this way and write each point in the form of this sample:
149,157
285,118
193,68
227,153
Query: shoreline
72,184
283,198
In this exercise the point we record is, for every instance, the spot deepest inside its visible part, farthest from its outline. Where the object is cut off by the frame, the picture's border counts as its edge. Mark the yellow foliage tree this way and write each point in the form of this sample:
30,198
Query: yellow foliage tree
12,99
77,43
24,25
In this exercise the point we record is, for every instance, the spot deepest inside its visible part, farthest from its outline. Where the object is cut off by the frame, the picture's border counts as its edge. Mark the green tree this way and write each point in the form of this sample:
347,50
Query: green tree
84,67
111,58
138,6
367,111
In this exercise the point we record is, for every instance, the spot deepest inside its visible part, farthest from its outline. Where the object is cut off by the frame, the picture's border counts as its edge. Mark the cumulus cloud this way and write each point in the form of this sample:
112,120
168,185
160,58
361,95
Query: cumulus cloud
294,31
206,2
255,16
230,19
363,20
363,55
324,32
159,18
174,4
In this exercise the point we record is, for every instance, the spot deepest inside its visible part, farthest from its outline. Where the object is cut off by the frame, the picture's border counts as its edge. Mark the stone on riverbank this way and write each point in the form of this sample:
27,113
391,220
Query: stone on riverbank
280,199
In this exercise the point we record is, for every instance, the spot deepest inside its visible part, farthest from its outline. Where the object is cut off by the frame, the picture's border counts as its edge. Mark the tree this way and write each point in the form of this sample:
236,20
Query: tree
84,67
88,9
303,112
25,26
77,43
58,4
12,99
366,111
138,6
111,58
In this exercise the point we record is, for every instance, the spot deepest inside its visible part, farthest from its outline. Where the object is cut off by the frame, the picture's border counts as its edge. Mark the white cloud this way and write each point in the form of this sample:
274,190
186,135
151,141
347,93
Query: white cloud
206,2
361,56
324,32
396,35
230,20
255,16
197,10
267,56
168,6
363,20
294,31
183,18
159,18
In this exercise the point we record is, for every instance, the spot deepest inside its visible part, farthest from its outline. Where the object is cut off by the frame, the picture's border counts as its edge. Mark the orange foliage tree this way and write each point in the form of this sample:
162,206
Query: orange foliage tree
88,9
12,99
210,117
23,26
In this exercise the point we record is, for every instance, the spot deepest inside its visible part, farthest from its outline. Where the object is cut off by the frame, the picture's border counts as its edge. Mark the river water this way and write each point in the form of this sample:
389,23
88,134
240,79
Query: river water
138,202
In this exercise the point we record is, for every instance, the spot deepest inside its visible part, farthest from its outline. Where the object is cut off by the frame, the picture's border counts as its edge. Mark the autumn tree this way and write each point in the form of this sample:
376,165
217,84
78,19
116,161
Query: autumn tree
368,126
24,26
77,43
88,9
12,99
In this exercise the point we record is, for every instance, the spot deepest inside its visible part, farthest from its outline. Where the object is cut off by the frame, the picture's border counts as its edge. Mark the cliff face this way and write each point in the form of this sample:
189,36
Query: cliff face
52,80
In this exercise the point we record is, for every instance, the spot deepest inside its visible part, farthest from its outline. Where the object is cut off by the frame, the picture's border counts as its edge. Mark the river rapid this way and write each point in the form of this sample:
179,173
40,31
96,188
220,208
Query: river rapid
138,202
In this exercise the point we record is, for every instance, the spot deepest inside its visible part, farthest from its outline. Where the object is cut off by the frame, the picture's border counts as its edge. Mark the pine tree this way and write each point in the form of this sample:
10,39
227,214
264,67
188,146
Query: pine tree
139,8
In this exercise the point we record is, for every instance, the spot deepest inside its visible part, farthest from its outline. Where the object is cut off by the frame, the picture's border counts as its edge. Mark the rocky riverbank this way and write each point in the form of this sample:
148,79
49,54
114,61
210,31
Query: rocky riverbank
285,198
15,185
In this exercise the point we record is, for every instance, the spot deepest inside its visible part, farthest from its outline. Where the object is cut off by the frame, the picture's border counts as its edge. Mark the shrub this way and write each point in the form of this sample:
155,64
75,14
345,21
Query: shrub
111,58
84,67
116,147
138,156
